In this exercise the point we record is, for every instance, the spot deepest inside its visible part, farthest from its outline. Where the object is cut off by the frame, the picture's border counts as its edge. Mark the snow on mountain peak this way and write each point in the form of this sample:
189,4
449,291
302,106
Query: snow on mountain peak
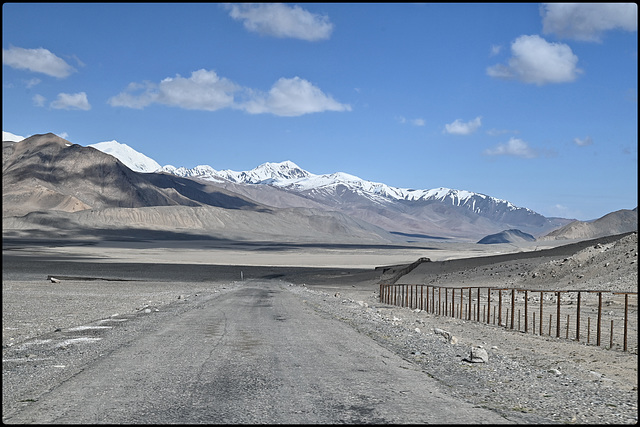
8,136
289,176
131,158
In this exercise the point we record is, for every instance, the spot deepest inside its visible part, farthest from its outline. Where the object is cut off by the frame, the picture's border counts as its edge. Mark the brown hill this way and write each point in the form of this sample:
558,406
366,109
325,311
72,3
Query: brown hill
51,187
618,222
46,172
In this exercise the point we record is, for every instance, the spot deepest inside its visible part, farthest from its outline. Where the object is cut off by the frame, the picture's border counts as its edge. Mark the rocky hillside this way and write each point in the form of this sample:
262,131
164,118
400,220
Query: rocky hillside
51,187
622,221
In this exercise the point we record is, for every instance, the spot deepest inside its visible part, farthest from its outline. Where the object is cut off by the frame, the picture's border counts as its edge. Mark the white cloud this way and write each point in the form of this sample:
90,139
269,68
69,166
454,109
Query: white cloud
293,97
583,142
460,128
38,60
71,101
587,21
514,147
39,100
495,49
281,20
534,60
205,90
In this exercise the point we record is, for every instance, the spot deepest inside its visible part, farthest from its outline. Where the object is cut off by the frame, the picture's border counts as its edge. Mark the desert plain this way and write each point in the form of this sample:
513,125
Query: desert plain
52,286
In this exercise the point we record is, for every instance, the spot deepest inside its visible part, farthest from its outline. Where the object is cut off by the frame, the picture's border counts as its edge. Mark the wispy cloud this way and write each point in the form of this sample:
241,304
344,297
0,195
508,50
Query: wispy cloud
514,147
281,20
587,21
458,127
562,211
495,50
32,82
414,122
39,100
71,101
205,90
583,142
38,60
534,60
498,132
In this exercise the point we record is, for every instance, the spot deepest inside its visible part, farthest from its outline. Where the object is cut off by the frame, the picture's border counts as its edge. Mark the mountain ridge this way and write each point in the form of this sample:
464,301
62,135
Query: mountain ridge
49,174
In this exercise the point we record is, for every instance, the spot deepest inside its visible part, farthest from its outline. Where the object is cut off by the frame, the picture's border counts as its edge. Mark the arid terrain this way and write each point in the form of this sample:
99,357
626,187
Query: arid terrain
527,378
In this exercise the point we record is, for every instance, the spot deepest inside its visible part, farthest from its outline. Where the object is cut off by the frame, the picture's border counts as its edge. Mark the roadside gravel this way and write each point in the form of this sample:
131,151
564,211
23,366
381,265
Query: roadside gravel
560,381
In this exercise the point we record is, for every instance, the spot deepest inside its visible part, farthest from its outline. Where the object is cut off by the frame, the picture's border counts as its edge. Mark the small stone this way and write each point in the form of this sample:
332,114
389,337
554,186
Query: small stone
477,355
147,310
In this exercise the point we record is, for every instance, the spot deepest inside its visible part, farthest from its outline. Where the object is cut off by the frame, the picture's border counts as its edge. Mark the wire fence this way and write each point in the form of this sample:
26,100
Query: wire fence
602,318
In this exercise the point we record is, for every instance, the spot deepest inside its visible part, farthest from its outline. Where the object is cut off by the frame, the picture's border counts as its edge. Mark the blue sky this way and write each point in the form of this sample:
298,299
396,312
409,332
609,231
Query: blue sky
531,103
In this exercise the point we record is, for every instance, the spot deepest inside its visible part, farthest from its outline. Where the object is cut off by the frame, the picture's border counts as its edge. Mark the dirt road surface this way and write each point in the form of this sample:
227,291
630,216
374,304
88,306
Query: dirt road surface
254,353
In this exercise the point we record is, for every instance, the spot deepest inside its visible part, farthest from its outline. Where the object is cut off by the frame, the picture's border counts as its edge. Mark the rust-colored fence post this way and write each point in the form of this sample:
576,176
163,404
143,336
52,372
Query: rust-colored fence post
541,298
469,312
478,315
433,299
578,319
439,300
599,318
611,336
410,305
461,302
626,316
453,299
446,301
488,305
421,297
499,307
426,306
513,304
526,312
558,317
567,336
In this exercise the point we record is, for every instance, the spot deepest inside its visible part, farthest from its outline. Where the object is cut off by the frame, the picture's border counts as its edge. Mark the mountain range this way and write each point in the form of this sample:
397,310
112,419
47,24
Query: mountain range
109,186
440,212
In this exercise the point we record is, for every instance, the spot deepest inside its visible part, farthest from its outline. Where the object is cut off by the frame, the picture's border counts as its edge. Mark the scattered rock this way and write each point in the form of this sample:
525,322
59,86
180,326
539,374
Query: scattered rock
446,335
477,355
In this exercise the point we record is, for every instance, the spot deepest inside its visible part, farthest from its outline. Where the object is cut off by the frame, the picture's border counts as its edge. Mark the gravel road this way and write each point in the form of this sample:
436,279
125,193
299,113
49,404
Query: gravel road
255,353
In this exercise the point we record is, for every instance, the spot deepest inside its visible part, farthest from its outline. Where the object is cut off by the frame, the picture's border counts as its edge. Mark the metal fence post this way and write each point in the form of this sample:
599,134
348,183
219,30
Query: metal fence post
558,318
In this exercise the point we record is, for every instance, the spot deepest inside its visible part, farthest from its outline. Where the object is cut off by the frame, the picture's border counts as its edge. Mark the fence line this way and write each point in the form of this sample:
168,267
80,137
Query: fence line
485,304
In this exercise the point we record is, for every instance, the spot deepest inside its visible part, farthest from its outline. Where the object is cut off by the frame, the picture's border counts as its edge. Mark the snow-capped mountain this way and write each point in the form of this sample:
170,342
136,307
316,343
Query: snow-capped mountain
8,136
131,158
433,212
289,176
